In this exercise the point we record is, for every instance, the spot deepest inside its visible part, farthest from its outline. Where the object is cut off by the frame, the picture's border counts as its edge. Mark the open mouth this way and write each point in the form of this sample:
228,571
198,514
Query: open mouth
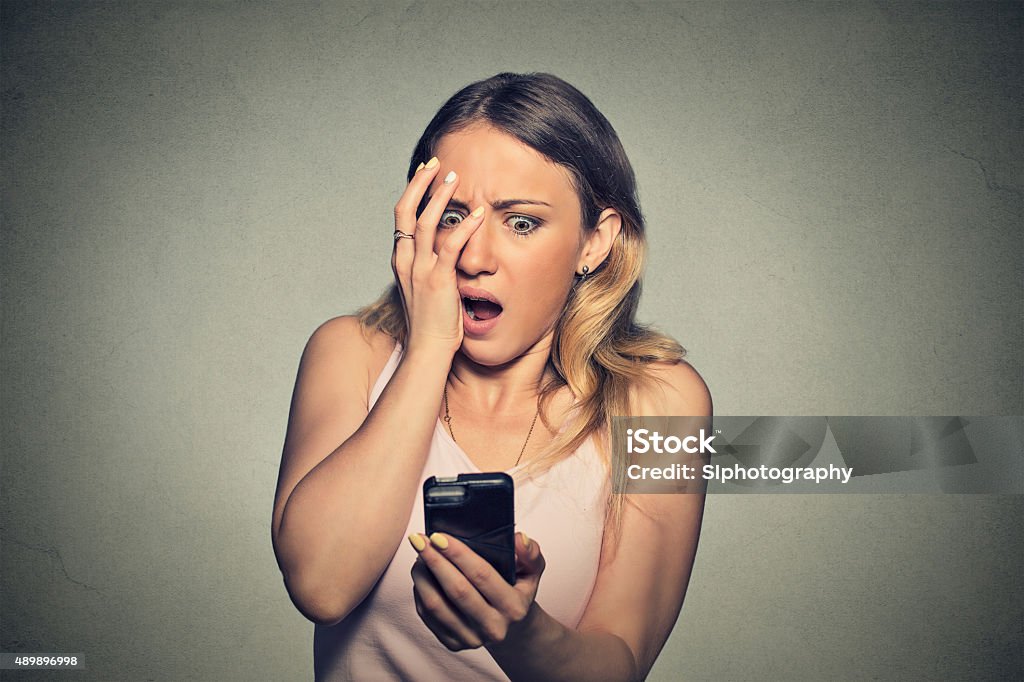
481,308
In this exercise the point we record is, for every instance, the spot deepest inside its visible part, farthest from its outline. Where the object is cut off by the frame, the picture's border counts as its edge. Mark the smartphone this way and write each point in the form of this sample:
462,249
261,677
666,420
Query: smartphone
479,510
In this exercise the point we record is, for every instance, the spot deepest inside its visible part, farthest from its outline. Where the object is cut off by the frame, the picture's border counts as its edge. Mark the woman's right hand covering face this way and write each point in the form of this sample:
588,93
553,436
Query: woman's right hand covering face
427,280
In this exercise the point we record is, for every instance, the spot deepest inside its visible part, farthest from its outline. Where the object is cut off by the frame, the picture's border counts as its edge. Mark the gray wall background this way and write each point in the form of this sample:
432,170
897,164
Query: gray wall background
189,189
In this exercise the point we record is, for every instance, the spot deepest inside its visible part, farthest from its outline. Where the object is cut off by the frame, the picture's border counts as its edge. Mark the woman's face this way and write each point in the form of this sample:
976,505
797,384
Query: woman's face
524,255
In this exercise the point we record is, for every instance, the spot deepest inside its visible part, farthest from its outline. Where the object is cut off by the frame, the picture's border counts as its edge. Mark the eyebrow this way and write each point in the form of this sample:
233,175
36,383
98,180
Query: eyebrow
500,204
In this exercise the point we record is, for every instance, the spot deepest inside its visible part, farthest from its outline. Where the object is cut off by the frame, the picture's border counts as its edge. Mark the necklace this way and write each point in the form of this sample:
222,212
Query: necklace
448,421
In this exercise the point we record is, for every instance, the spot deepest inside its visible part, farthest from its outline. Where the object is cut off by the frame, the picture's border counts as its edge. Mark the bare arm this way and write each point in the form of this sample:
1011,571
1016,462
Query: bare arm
325,505
345,469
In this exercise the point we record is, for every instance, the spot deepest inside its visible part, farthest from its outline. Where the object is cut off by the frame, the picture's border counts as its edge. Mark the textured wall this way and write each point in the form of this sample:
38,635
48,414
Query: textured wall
189,189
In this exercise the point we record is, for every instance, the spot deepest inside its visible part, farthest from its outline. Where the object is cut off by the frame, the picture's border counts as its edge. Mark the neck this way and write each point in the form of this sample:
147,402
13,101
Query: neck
506,388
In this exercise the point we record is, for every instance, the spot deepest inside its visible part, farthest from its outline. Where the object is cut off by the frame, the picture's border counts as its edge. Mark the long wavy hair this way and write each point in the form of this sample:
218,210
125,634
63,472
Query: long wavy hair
599,351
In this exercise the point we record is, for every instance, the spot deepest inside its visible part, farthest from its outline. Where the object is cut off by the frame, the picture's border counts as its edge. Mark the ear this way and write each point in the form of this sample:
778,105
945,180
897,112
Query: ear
599,242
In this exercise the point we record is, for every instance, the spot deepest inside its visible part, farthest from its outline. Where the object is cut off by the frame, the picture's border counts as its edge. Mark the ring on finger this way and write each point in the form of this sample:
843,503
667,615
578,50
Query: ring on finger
402,235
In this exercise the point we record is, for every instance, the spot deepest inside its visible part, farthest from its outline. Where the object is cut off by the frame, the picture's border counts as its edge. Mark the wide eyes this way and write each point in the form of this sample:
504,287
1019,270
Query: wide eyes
520,225
450,218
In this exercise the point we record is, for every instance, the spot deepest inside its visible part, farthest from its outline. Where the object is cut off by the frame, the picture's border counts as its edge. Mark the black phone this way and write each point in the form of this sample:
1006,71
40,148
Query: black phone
479,510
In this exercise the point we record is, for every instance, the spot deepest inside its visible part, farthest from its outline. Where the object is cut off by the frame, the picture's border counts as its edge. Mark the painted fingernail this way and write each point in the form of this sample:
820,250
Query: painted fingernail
439,541
419,168
477,212
417,542
432,163
526,540
450,178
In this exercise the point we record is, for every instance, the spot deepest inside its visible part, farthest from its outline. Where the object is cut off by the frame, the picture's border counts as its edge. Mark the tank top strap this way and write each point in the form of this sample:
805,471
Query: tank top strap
385,376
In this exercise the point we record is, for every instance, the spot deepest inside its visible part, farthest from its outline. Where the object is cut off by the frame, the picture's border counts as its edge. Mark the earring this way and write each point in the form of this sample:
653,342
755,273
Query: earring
583,275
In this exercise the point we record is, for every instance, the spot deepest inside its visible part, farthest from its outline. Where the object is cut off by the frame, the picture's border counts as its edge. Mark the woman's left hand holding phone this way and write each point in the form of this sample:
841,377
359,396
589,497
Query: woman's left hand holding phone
463,600
426,278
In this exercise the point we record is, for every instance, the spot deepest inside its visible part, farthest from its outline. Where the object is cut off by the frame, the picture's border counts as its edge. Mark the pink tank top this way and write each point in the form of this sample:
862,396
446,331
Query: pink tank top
384,638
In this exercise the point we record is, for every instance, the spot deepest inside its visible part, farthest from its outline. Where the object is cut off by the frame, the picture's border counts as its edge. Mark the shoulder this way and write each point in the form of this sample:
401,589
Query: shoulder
672,388
345,333
343,340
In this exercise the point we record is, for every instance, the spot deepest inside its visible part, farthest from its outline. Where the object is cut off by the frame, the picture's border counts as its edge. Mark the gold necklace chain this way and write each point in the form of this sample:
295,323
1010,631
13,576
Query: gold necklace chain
448,421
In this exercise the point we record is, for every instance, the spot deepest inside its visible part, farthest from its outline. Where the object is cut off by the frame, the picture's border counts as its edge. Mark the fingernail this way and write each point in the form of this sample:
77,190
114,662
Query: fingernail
477,212
439,541
417,542
419,168
450,178
526,540
432,163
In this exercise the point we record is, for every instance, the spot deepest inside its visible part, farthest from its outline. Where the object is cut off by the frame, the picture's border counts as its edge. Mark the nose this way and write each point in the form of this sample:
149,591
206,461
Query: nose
477,255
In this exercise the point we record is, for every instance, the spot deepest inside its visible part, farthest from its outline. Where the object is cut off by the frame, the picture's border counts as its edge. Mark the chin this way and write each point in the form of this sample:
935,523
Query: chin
494,353
484,352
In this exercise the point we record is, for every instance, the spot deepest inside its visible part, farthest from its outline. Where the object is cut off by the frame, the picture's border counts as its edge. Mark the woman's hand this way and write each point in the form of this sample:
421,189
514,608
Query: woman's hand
430,293
463,600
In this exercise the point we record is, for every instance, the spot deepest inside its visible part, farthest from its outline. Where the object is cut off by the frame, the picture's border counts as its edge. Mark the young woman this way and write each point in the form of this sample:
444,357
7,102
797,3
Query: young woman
506,344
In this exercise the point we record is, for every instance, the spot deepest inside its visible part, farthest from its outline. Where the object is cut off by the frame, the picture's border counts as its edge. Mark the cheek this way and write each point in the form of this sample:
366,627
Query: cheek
547,288
557,264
